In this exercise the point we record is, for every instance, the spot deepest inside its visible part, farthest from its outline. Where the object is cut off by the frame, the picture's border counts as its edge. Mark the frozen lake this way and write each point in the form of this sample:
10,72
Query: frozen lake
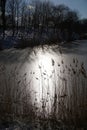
49,80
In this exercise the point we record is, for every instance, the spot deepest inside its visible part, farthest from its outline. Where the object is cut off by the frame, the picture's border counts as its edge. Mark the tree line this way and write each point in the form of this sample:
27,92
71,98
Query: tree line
41,17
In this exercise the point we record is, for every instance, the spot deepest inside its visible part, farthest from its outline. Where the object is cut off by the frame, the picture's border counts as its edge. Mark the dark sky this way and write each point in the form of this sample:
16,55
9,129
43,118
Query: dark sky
79,5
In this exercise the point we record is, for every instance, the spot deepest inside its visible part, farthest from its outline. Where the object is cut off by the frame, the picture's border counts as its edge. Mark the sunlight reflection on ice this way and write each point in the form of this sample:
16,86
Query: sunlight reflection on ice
44,79
45,74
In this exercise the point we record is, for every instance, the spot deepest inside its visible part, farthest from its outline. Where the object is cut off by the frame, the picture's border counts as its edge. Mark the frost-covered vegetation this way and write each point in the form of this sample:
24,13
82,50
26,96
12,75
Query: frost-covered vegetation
52,97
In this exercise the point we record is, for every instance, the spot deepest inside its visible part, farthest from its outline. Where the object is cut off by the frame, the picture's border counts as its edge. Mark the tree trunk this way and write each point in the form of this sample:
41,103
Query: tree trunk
3,3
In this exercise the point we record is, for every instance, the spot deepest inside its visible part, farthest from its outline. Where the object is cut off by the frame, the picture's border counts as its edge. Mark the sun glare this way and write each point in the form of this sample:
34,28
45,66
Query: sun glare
43,80
45,63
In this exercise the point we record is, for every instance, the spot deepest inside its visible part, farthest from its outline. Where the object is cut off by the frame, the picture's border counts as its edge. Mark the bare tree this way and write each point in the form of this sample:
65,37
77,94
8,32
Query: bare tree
23,15
12,12
18,10
3,4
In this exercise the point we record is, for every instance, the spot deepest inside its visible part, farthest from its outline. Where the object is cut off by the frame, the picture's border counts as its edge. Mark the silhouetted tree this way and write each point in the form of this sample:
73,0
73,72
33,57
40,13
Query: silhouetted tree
17,8
3,4
12,12
43,17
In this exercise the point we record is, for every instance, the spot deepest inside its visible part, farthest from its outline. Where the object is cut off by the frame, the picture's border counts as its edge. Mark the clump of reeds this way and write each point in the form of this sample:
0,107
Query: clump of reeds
67,107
